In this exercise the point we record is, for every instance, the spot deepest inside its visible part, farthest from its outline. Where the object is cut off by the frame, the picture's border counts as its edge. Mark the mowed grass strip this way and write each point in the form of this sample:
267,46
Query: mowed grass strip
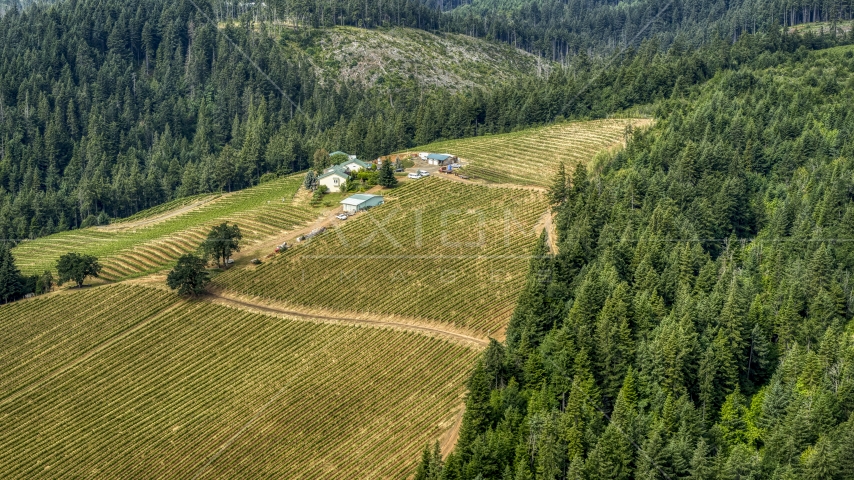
531,157
210,391
134,248
437,250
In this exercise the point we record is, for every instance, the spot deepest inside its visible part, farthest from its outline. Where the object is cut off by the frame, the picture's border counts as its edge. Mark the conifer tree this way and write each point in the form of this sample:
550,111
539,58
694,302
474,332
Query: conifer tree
476,418
10,277
558,190
614,339
533,313
386,176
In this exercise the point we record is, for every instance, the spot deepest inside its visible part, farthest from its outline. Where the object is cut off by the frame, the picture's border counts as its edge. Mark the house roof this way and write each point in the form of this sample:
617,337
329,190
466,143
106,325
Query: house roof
439,156
357,162
337,152
358,199
334,170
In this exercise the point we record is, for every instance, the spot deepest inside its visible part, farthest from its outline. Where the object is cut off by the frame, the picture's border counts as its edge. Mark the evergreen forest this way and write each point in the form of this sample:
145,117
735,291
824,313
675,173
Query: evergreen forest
108,107
696,321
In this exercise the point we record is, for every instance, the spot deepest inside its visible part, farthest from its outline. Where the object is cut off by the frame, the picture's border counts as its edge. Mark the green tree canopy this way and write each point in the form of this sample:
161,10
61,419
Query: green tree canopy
189,276
386,176
221,242
11,285
76,267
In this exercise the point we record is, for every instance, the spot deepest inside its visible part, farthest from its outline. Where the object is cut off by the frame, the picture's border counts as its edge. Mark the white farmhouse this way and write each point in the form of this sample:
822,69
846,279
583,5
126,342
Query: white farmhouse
334,178
354,165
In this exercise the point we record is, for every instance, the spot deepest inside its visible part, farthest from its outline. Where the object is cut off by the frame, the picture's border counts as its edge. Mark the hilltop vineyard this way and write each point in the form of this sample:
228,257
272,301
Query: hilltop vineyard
436,250
531,157
152,240
126,386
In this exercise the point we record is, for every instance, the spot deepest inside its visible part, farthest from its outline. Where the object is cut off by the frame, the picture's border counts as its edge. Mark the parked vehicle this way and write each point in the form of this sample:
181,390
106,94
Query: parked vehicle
341,216
282,247
255,261
229,261
315,232
424,173
414,176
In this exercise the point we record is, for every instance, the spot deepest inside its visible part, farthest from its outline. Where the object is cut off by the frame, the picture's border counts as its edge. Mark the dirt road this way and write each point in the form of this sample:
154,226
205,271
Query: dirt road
225,299
158,218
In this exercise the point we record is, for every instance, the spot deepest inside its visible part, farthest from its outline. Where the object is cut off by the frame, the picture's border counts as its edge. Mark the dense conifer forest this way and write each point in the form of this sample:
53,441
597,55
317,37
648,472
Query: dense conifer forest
696,321
107,107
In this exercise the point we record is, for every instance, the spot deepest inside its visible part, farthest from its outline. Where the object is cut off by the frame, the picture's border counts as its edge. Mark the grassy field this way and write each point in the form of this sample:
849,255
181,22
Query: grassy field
128,381
531,157
437,250
153,239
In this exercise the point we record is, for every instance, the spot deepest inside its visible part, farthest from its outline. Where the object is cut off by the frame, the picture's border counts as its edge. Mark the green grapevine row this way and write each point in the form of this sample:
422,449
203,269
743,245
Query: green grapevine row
129,249
204,389
530,157
437,250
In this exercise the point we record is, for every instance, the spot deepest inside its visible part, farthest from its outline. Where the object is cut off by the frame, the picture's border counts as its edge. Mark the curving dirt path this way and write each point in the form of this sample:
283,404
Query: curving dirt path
225,299
159,218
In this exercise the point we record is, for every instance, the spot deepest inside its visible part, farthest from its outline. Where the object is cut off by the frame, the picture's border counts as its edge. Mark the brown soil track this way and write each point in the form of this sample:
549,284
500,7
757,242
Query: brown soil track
220,297
449,439
158,218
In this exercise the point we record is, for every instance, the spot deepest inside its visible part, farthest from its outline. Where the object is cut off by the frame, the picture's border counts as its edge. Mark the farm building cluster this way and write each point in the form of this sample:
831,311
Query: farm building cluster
336,176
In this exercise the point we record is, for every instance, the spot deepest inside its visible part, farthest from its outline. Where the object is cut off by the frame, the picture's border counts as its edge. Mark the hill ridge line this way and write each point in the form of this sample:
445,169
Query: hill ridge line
224,298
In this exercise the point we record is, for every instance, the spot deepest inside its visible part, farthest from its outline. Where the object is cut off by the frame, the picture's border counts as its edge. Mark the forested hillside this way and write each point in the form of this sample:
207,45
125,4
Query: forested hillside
557,29
109,107
697,319
387,59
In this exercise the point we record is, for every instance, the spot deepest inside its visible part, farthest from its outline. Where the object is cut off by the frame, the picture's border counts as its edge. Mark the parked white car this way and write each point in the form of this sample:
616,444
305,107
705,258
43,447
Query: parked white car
424,173
416,176
341,216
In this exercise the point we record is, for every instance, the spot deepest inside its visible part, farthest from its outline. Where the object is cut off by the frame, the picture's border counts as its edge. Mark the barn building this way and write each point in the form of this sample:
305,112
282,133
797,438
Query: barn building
361,201
440,158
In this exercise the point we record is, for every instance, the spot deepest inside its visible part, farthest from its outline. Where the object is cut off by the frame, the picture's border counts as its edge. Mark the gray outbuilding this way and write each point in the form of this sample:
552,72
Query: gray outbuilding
361,201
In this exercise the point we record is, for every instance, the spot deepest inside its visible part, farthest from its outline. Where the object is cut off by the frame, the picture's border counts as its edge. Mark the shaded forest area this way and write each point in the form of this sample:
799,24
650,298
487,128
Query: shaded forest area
697,319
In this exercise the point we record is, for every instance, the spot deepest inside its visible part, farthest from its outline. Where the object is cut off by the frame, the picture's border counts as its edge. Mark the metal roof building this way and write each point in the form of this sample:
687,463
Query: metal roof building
354,164
438,158
361,201
333,178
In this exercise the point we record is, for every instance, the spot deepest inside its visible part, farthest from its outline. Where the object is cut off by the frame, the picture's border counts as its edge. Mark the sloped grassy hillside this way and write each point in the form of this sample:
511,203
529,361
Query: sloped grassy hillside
395,56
